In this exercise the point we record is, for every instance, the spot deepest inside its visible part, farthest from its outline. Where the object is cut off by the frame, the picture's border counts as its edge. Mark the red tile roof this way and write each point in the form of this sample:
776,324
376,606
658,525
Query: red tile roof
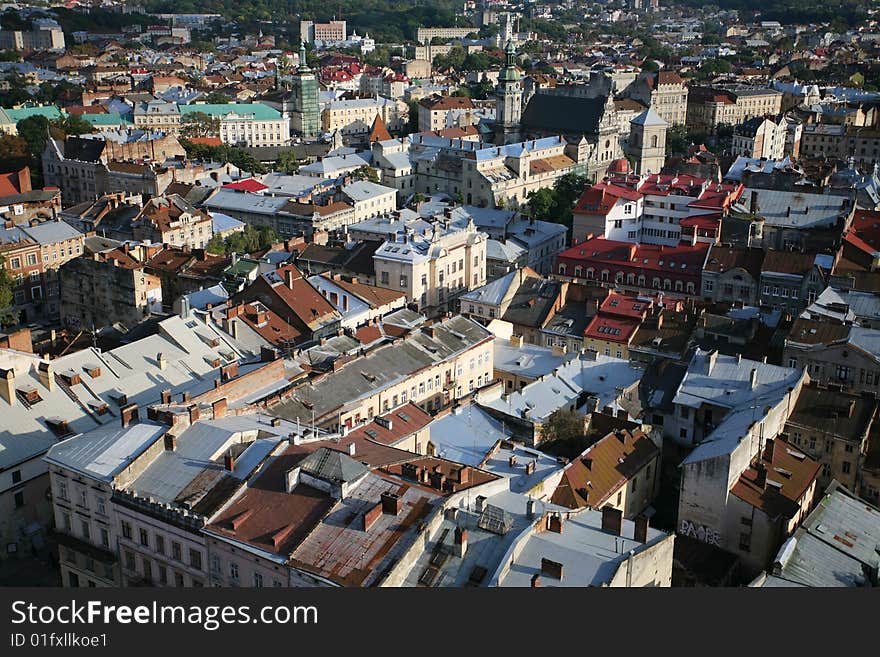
250,185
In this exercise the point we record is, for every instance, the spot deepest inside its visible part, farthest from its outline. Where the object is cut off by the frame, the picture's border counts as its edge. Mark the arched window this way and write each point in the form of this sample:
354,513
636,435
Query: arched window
667,284
630,279
690,288
618,278
562,269
590,273
641,281
605,275
654,141
578,271
655,283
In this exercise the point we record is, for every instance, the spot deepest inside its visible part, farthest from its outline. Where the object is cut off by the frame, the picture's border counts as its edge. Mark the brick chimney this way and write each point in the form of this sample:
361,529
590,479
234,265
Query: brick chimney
392,503
460,541
193,413
229,461
161,360
612,520
372,515
170,442
536,581
640,533
129,414
551,568
555,523
166,396
218,408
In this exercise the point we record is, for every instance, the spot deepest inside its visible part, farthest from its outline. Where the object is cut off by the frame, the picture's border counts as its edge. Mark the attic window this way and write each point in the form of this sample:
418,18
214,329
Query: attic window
371,433
404,417
785,473
30,394
777,485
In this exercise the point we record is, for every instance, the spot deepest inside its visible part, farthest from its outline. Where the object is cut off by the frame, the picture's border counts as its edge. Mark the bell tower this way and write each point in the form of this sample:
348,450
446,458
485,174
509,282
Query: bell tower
508,100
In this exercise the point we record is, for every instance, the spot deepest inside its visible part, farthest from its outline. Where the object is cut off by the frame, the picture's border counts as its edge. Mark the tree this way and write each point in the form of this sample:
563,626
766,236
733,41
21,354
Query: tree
35,131
541,203
73,125
216,97
13,148
8,316
567,429
251,239
199,124
365,173
287,162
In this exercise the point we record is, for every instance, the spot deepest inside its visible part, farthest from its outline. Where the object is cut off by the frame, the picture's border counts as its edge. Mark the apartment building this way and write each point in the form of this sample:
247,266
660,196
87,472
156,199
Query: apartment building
430,366
248,124
354,118
157,114
838,140
637,268
621,471
108,287
325,34
172,220
743,488
833,427
440,112
819,347
79,165
732,274
369,199
662,91
710,107
45,35
768,138
433,266
47,401
665,209
790,281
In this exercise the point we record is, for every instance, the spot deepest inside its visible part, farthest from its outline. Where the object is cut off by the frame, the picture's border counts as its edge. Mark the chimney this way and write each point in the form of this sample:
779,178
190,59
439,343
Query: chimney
46,375
760,475
612,519
640,533
531,505
128,414
288,278
229,461
170,442
371,516
218,408
193,413
554,523
161,360
352,449
536,581
753,378
291,479
460,541
166,396
711,357
184,397
7,385
551,568
392,503
753,203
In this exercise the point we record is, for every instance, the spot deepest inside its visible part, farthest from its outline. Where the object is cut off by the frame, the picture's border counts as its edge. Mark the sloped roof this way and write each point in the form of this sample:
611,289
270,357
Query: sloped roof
333,465
563,114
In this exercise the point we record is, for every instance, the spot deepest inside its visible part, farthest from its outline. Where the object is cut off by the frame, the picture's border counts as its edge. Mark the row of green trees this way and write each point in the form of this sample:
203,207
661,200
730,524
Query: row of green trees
252,239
